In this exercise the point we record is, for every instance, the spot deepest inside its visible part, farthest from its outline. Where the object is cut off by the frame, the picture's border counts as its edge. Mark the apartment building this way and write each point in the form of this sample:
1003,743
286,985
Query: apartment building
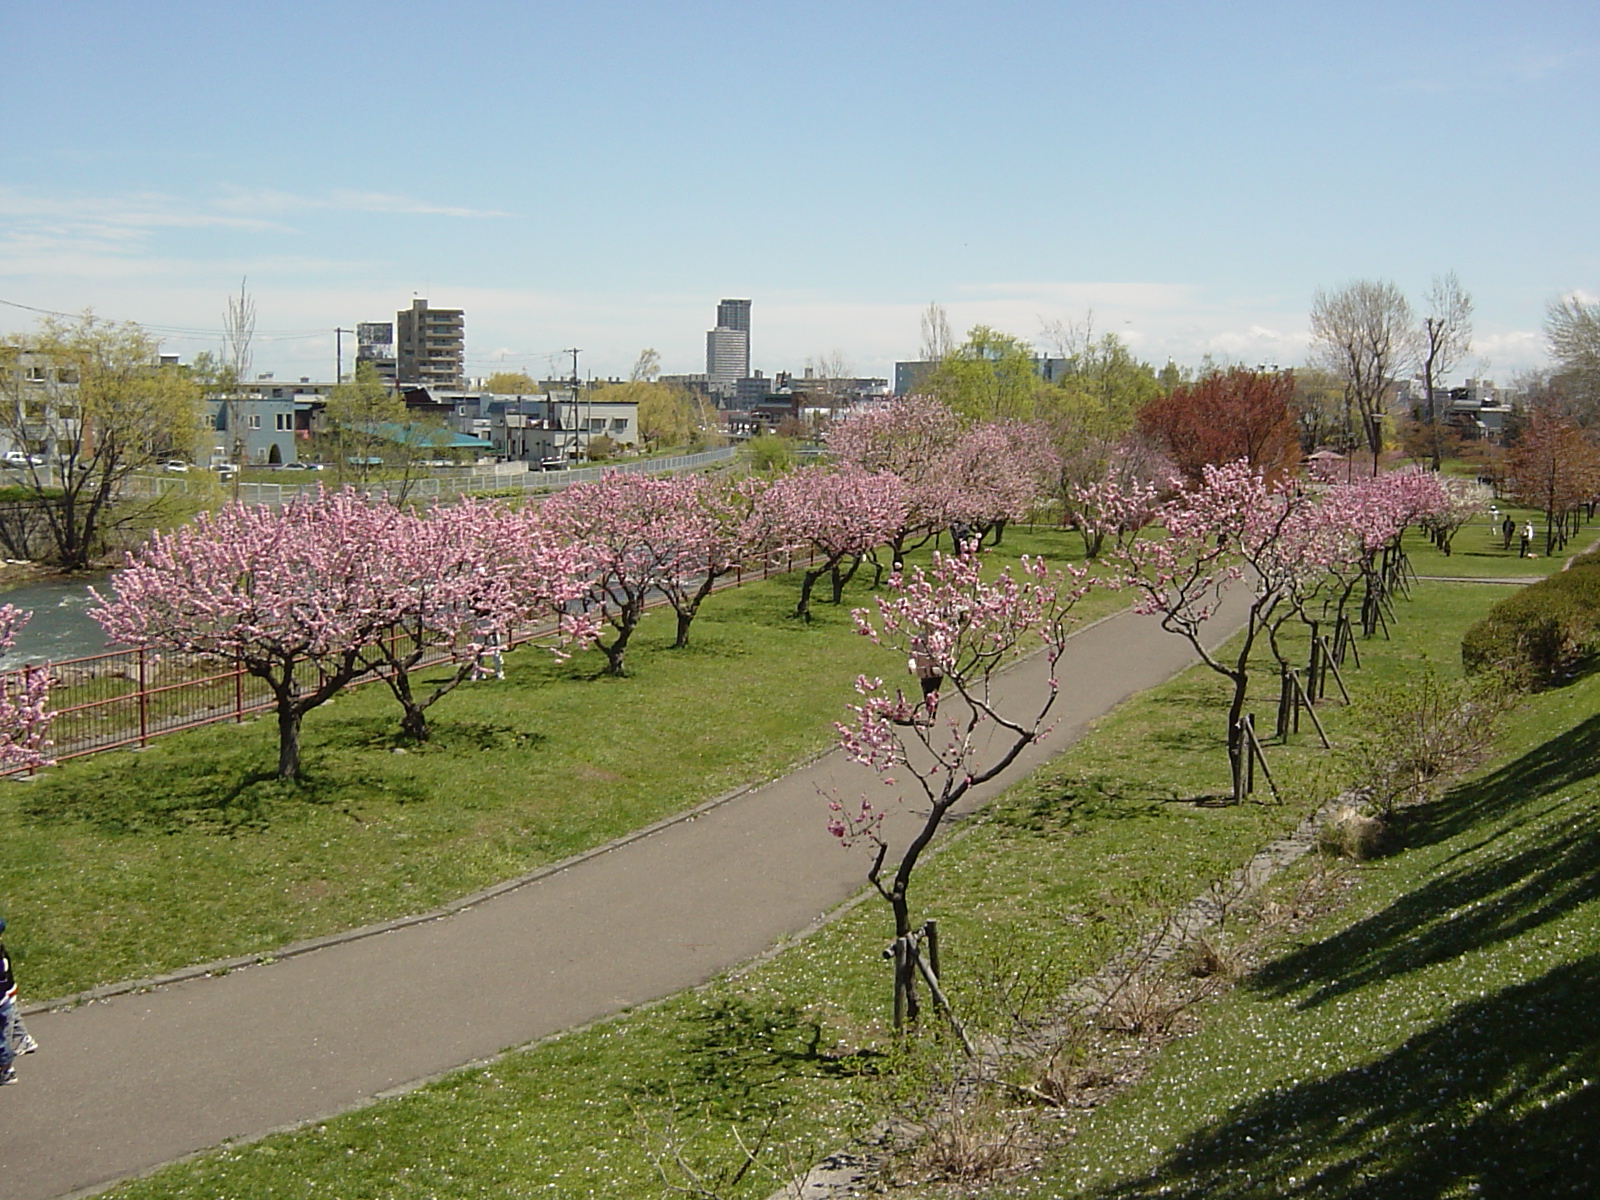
430,345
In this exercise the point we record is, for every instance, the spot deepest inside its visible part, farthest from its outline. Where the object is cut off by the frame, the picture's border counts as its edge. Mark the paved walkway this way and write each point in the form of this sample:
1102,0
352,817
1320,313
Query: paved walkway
125,1084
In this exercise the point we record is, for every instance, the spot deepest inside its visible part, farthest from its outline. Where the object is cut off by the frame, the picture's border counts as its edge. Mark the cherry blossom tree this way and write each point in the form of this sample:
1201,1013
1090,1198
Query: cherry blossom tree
909,437
994,473
1377,511
1229,526
463,575
904,436
25,714
1123,499
719,531
841,514
964,629
643,536
1463,501
292,596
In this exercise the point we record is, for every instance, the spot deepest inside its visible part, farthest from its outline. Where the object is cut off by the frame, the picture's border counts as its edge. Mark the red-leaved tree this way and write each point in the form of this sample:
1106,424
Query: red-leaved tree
1228,416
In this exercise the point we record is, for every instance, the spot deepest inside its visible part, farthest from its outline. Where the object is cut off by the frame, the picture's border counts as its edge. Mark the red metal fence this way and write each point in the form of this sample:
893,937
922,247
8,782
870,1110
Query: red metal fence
126,697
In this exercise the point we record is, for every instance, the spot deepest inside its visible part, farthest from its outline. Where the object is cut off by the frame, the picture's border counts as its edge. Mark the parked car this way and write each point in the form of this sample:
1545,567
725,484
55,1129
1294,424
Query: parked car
16,458
176,465
226,470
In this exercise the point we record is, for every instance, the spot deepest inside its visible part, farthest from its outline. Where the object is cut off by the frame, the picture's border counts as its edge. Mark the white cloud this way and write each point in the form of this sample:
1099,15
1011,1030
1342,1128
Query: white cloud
271,201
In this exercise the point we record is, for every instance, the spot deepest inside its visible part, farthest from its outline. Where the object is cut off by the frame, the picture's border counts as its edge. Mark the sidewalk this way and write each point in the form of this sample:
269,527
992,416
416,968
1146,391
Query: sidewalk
125,1084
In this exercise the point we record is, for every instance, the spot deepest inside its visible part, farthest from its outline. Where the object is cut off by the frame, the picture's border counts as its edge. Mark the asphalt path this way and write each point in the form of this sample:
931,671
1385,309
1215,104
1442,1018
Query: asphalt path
126,1083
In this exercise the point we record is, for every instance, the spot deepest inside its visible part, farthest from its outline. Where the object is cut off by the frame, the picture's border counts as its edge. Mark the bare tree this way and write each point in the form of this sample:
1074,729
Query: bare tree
936,339
1446,339
647,367
1071,340
1572,328
238,331
1363,333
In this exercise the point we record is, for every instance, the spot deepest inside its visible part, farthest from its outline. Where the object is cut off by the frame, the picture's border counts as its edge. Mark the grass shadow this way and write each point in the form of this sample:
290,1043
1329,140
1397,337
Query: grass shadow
739,1051
1568,759
376,735
195,798
1495,890
1499,1099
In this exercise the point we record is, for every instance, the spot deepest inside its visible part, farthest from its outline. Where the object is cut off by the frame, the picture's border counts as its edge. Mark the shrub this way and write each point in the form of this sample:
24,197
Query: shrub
1352,834
1421,734
1535,636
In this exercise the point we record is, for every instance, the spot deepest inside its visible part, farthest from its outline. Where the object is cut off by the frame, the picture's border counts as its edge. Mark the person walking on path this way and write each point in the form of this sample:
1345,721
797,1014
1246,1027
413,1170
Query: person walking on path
923,665
1526,541
10,1024
1507,528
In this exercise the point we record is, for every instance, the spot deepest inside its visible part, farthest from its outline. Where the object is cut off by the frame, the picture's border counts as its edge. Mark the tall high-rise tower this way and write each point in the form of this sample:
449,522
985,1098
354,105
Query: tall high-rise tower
734,314
728,345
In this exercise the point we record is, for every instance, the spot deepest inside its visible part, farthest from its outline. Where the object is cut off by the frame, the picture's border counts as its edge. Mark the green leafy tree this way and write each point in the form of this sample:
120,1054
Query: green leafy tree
666,414
991,376
509,383
369,433
768,453
91,405
1092,408
1319,408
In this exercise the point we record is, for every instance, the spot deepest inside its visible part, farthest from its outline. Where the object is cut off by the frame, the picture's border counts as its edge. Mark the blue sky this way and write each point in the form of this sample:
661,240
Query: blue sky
600,174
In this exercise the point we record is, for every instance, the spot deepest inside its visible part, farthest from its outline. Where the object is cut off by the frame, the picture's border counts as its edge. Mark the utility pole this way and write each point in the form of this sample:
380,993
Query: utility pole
338,353
583,441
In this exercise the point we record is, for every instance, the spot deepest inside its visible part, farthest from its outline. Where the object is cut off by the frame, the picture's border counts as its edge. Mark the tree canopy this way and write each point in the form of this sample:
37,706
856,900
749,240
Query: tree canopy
510,383
89,402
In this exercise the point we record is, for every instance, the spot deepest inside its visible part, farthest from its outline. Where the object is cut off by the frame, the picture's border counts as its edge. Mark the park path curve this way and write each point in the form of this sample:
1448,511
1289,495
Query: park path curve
135,1080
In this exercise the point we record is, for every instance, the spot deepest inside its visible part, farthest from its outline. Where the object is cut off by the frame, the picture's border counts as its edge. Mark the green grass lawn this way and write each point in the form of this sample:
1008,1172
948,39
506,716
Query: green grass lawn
1069,866
129,864
1435,1037
1477,551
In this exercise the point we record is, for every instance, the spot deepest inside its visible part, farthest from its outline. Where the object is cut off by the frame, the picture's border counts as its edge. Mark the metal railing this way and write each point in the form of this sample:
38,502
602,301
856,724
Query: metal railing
123,698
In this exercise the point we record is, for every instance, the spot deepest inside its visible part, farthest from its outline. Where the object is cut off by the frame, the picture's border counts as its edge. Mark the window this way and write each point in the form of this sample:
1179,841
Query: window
284,422
597,424
619,424
255,420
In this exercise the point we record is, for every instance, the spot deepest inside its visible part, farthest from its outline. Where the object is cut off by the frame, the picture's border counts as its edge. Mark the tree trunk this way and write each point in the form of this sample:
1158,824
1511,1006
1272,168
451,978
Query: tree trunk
288,739
619,645
807,582
414,724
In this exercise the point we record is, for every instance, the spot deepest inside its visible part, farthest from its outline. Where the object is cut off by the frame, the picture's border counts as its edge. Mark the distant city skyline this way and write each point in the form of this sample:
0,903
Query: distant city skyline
1190,174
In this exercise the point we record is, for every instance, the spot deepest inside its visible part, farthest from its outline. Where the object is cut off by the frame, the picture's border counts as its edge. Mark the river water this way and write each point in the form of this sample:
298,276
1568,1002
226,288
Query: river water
60,627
